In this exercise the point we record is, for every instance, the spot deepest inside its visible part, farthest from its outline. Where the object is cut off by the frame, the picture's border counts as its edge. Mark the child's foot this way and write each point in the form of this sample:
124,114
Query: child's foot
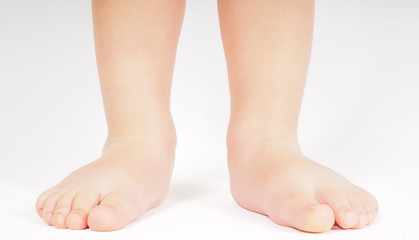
131,177
271,176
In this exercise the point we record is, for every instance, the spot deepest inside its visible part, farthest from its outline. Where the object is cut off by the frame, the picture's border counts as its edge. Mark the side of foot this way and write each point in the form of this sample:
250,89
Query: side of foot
131,177
271,176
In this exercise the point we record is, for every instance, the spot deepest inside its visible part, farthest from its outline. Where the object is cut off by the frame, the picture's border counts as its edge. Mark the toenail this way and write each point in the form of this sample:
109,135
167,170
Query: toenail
313,207
364,216
58,220
349,214
48,215
59,215
370,216
74,215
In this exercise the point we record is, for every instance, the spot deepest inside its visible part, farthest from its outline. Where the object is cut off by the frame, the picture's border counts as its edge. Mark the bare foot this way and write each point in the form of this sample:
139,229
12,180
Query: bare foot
270,175
131,177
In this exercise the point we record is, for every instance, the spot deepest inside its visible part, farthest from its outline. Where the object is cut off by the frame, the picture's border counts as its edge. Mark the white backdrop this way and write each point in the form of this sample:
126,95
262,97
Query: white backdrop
360,116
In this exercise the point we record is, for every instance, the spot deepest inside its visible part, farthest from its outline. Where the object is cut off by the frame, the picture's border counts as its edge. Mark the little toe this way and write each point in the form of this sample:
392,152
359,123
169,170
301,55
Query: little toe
345,216
62,209
83,202
363,221
371,217
113,213
303,212
49,207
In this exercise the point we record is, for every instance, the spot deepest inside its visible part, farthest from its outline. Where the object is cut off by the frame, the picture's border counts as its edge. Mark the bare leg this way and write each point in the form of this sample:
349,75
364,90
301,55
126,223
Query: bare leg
267,45
136,43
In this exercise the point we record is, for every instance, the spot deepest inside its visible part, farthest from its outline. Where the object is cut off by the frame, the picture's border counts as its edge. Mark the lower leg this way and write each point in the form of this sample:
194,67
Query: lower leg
135,44
267,46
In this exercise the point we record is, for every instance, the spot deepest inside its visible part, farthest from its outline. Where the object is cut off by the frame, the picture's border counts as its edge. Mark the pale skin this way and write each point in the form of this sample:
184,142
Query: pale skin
267,44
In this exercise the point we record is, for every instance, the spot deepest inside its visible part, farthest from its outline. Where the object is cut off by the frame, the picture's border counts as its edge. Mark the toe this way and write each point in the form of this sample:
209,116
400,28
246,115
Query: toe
363,221
370,209
40,202
370,205
303,212
83,202
345,216
371,216
113,213
49,207
62,208
358,207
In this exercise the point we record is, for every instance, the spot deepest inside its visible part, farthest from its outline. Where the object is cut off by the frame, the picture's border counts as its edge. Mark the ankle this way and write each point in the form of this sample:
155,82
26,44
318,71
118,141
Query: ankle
162,138
254,134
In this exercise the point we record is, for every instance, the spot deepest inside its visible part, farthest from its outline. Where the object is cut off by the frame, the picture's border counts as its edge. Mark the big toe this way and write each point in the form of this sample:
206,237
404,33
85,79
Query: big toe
303,212
113,213
313,218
